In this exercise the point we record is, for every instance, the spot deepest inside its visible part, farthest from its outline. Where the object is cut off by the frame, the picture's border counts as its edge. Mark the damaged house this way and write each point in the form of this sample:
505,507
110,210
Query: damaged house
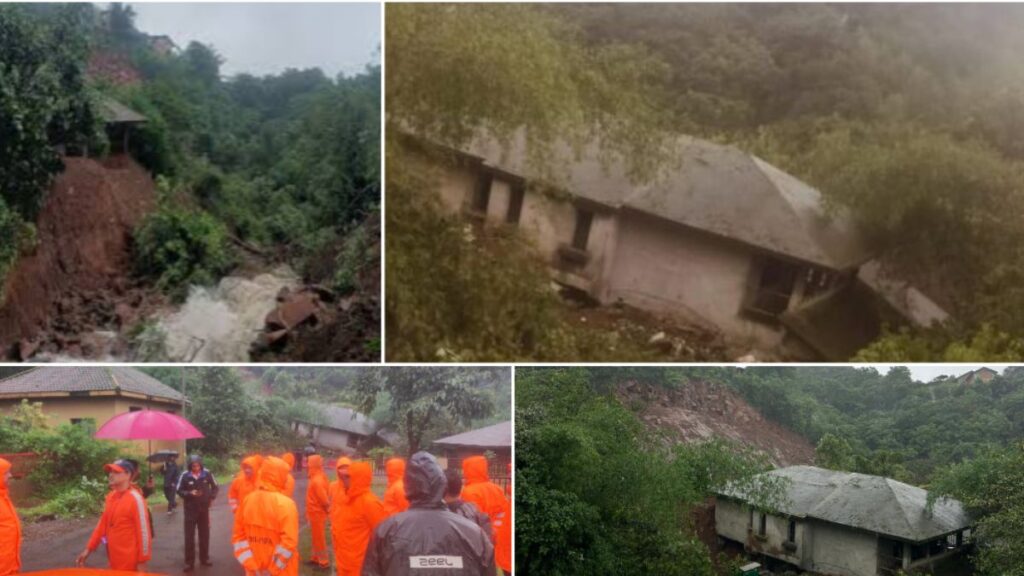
723,240
846,524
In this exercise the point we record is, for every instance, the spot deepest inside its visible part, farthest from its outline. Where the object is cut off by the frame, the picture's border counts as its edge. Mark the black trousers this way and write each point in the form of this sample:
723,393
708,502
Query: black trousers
197,519
170,494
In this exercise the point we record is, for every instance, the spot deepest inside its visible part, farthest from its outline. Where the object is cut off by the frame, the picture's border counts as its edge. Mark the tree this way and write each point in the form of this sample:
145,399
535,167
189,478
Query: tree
835,453
427,398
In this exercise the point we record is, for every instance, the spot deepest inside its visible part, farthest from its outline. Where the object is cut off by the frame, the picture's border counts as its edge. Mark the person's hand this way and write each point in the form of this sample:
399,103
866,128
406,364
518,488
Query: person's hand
80,561
195,492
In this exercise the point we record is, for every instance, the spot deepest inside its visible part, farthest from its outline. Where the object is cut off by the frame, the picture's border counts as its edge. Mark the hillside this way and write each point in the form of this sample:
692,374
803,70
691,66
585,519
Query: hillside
698,411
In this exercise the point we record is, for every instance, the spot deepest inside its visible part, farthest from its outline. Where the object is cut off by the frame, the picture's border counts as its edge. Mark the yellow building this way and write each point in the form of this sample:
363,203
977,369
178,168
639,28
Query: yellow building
93,395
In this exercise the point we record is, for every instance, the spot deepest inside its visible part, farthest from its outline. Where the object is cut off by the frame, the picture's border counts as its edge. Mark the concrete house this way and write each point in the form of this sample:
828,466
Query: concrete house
846,524
90,396
344,430
496,438
723,240
980,375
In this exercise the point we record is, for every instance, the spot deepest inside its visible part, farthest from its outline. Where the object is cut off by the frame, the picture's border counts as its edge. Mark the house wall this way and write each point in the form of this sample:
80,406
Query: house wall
842,552
60,410
734,521
694,276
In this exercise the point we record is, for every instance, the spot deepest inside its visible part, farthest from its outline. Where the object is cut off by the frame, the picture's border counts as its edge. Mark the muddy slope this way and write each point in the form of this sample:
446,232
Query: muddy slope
83,249
699,410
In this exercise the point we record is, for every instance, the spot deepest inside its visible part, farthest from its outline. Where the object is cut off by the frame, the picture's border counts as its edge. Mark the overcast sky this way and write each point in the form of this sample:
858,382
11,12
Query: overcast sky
928,372
268,38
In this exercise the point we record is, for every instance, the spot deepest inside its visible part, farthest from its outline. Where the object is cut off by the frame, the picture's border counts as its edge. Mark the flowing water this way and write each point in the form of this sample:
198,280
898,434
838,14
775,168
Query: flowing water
218,324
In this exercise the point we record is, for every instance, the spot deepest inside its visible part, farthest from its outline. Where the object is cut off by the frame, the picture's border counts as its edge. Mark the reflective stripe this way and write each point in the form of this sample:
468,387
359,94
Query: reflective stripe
497,522
284,552
280,563
241,544
140,503
244,556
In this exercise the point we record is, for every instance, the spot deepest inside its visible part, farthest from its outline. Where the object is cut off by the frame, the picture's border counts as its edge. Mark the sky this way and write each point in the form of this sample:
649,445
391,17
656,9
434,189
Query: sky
264,38
928,372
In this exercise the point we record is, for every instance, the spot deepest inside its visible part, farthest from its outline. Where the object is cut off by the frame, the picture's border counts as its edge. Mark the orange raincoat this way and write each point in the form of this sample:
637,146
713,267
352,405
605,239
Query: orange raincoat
354,519
10,527
336,491
491,500
289,489
125,526
394,496
242,486
266,532
318,507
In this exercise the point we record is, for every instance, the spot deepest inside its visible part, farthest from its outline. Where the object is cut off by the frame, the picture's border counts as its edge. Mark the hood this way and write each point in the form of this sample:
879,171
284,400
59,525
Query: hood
425,482
273,474
395,468
474,470
5,466
255,462
289,459
314,465
361,476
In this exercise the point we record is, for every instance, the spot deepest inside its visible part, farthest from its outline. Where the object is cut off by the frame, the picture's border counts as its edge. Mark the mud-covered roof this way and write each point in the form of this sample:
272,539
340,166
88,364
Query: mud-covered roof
44,381
716,188
113,112
872,503
495,436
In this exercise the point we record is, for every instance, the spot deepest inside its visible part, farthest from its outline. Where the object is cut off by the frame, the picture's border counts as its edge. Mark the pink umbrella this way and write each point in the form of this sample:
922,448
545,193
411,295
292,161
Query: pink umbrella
148,425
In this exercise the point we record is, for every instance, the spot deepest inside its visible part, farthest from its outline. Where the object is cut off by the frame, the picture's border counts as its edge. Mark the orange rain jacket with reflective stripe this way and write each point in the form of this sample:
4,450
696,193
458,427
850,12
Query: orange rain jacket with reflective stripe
266,531
125,526
491,500
289,487
353,521
10,527
318,506
394,497
242,486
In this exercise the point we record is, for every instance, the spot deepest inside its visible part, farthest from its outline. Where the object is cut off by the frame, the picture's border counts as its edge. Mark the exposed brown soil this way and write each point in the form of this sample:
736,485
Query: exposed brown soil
77,278
697,411
114,68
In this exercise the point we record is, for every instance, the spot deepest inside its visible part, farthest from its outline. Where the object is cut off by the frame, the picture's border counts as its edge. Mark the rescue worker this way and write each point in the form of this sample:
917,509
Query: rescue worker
336,493
198,488
428,538
245,481
457,505
266,529
354,518
124,524
318,507
289,459
10,526
491,500
170,472
394,496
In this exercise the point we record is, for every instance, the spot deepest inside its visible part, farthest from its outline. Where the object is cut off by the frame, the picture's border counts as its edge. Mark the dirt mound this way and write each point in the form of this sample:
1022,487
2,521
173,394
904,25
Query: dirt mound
699,410
82,259
114,68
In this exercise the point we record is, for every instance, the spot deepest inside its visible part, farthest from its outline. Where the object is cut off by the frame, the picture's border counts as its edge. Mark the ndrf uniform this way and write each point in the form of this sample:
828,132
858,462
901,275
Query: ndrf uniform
266,532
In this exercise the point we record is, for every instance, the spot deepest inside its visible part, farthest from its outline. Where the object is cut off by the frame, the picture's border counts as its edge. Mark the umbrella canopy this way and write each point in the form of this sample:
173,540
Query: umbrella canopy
148,425
162,456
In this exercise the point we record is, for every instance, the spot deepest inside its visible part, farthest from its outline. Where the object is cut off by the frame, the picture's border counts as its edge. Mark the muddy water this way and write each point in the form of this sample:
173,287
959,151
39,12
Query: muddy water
218,324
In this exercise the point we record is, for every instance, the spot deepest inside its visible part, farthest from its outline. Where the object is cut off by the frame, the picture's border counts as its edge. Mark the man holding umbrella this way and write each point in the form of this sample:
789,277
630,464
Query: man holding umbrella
198,489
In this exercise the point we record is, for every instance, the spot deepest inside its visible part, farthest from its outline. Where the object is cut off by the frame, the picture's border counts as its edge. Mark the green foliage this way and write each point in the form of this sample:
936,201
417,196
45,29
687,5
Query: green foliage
178,247
15,235
597,494
992,487
355,256
82,500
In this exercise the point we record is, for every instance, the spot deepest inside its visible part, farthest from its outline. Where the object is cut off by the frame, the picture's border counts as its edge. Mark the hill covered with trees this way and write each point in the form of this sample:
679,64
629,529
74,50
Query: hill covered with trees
251,171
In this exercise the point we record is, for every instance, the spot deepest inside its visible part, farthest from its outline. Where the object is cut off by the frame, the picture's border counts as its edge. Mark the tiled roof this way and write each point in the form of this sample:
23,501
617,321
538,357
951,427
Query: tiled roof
45,380
495,436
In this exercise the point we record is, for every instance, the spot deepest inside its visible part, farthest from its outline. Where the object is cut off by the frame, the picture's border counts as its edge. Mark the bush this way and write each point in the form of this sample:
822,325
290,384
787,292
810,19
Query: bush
67,454
179,247
81,500
352,259
15,235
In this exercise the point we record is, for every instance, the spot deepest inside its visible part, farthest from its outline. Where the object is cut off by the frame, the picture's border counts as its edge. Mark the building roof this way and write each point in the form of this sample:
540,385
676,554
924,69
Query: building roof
872,503
68,379
495,436
348,420
715,188
114,112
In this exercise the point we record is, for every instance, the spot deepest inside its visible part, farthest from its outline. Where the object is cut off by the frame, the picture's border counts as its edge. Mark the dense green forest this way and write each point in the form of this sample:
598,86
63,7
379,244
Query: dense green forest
964,440
909,116
284,165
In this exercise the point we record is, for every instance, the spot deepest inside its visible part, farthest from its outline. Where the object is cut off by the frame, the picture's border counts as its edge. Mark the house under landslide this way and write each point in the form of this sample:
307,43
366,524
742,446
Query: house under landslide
723,240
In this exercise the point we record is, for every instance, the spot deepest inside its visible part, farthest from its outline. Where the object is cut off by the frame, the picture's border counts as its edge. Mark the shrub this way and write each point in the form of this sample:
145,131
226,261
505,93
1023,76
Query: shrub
179,247
80,500
67,454
354,256
15,235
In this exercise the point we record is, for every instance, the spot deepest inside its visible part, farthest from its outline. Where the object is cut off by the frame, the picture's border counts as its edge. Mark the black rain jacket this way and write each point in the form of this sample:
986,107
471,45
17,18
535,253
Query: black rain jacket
205,484
428,535
470,512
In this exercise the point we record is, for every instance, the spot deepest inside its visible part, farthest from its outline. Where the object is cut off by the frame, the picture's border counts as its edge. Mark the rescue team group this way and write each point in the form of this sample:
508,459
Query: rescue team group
427,519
